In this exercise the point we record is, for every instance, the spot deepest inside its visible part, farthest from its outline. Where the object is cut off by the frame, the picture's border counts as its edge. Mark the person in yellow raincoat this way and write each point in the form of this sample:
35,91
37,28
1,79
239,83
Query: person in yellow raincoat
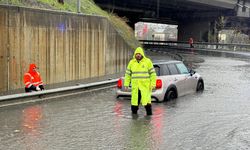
141,74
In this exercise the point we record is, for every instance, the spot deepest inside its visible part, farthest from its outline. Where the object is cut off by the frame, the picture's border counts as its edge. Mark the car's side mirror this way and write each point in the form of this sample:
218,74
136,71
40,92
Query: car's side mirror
192,72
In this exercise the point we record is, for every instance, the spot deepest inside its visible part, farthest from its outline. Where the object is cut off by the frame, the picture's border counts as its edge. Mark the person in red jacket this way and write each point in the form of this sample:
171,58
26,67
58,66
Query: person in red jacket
33,80
191,42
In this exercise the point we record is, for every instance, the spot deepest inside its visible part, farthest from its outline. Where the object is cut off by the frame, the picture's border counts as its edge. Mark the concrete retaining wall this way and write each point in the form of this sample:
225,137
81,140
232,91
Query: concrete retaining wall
65,46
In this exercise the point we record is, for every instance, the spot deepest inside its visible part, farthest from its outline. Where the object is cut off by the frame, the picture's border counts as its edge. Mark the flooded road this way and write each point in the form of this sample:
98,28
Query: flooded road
217,119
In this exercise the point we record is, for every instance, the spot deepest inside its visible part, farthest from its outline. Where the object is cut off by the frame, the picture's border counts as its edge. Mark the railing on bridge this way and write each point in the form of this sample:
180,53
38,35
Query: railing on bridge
197,45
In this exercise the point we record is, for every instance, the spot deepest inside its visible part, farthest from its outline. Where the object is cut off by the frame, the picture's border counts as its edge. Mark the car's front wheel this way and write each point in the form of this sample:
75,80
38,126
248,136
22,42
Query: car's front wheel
170,95
200,86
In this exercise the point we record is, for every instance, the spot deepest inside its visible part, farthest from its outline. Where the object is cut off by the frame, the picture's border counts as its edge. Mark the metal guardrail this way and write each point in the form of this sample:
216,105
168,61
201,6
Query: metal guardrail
51,93
199,45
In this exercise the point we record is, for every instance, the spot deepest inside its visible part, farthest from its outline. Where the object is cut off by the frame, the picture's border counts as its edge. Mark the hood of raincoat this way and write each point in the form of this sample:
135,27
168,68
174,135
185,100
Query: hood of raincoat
32,66
139,50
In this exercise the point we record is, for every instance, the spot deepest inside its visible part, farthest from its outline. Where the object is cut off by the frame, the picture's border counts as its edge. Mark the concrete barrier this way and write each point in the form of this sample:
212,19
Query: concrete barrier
14,99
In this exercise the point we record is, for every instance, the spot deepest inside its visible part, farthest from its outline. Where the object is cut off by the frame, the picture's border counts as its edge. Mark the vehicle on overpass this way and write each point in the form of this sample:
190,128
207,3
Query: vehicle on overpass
174,79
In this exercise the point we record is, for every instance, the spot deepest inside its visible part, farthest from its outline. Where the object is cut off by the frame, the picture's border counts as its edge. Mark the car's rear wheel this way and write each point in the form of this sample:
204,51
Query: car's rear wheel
170,95
200,86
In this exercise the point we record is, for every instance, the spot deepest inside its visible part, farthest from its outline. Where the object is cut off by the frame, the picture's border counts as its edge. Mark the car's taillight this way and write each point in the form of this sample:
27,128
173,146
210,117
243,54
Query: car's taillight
119,83
158,84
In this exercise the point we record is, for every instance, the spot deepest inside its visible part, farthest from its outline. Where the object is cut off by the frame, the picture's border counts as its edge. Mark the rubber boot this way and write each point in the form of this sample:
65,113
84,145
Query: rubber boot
134,109
148,108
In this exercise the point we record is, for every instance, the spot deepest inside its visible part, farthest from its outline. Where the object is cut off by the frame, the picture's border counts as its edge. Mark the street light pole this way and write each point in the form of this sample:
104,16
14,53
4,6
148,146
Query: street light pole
158,8
78,6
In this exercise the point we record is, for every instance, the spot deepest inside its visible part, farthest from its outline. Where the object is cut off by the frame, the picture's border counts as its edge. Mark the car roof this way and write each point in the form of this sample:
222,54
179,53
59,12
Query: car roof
158,62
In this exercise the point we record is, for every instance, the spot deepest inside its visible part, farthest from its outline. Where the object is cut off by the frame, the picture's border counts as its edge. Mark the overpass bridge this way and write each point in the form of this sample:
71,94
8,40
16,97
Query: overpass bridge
195,18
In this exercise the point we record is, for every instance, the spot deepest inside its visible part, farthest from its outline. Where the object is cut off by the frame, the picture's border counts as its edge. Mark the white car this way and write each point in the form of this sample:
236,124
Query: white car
173,80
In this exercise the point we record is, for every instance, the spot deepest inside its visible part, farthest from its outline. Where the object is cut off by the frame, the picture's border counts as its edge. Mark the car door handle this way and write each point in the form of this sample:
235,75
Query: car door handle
175,79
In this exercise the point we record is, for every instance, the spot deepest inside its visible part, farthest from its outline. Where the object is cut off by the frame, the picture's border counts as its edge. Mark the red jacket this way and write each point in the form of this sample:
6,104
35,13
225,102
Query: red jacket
190,41
32,77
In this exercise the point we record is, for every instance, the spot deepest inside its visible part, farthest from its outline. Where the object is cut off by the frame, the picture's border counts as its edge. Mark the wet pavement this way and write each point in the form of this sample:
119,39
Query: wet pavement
217,119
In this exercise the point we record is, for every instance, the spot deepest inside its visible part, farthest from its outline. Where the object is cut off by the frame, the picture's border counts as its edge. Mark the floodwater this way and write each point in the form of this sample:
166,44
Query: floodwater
217,119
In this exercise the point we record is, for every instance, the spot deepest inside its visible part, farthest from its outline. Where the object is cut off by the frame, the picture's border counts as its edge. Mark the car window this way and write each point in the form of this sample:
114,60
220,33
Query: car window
172,68
182,68
164,70
157,70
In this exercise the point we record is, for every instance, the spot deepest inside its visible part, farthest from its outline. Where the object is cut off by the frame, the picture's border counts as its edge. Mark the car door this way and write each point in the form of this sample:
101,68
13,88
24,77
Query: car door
177,79
188,79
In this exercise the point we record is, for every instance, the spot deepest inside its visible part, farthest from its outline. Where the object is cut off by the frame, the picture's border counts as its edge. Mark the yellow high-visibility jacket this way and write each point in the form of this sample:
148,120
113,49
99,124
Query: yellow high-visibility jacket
142,77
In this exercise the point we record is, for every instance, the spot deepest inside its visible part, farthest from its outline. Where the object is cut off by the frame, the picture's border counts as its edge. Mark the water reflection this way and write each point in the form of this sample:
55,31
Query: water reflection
139,134
142,132
31,119
157,124
118,108
118,114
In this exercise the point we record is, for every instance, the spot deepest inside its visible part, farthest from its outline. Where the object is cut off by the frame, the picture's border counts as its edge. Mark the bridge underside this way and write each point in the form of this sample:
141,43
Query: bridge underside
194,18
166,11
